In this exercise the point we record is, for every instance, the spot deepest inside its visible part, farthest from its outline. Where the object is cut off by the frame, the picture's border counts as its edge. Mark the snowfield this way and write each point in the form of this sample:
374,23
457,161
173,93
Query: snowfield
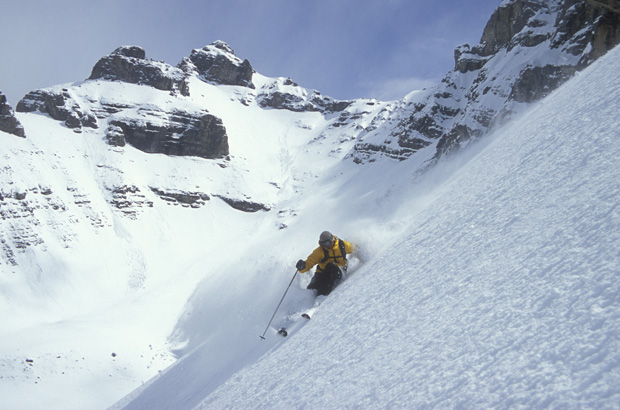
490,281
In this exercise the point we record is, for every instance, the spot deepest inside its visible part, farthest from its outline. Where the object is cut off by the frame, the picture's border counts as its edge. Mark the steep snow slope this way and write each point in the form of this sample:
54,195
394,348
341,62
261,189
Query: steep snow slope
502,290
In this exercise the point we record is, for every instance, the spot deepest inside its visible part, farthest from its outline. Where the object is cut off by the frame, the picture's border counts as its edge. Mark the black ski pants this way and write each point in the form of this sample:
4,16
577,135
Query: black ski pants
324,281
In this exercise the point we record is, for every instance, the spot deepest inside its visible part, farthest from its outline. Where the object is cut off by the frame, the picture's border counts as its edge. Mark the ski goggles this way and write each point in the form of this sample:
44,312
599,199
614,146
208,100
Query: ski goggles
326,243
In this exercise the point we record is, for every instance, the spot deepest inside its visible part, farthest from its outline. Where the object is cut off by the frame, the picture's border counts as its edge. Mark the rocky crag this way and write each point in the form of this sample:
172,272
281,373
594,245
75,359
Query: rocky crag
156,129
528,48
218,63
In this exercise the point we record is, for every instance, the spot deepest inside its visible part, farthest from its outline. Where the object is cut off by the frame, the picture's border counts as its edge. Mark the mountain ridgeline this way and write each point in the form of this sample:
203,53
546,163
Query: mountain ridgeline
528,48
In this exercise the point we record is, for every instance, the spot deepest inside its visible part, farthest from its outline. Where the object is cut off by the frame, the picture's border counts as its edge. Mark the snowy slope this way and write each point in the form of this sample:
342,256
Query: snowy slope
492,281
97,267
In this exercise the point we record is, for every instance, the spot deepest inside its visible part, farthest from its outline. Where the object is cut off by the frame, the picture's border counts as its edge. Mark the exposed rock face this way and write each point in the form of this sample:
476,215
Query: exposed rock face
8,122
128,200
244,205
129,64
528,49
148,128
285,94
183,198
505,28
607,34
61,106
217,63
176,133
538,82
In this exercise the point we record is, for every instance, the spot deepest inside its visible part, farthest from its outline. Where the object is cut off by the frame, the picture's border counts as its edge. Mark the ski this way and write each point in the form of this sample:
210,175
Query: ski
293,320
306,315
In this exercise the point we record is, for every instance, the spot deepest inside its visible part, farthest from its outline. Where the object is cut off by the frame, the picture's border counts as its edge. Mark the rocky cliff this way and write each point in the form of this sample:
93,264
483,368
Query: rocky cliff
148,127
611,5
527,49
181,133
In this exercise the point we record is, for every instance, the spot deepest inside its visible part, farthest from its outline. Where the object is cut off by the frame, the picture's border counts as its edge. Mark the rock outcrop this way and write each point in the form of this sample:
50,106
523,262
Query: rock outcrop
218,63
128,200
129,64
172,133
285,94
8,122
60,105
244,204
183,198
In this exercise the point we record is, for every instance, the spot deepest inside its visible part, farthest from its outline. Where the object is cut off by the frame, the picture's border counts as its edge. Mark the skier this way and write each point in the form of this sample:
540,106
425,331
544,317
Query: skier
331,256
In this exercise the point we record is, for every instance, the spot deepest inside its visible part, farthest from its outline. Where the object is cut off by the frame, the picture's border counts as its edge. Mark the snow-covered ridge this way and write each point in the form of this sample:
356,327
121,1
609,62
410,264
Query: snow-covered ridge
284,93
92,104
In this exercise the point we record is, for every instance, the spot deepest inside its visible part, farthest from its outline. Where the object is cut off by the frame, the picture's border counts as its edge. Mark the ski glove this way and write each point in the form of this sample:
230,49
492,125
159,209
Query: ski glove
301,265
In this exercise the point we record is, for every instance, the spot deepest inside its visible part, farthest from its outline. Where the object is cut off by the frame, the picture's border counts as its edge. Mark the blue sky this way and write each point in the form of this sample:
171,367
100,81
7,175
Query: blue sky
343,48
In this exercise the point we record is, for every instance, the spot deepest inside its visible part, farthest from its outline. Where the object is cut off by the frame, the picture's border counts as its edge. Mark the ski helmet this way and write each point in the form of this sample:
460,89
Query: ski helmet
326,238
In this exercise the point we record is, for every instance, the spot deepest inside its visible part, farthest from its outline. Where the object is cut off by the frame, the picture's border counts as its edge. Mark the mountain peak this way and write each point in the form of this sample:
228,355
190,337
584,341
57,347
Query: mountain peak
129,64
131,51
221,45
218,63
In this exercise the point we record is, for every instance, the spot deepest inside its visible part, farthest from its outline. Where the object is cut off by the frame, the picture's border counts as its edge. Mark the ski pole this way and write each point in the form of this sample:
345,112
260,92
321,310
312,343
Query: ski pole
278,307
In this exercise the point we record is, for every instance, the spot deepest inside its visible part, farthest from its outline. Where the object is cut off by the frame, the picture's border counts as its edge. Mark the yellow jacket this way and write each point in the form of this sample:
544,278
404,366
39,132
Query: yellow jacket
318,256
